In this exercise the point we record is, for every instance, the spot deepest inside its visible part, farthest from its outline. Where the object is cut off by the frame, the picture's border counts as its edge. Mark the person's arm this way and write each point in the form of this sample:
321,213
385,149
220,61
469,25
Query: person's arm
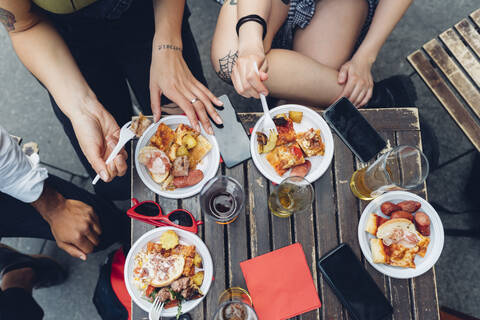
251,50
74,224
170,75
387,14
43,51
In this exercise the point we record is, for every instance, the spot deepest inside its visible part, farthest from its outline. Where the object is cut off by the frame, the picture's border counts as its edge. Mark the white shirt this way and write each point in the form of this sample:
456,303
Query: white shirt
19,177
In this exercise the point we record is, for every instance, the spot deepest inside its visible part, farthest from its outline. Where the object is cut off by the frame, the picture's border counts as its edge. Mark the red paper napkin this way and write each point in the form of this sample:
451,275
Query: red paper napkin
280,283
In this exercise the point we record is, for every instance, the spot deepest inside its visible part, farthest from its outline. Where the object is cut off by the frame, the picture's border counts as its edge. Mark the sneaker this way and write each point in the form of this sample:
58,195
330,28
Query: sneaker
48,272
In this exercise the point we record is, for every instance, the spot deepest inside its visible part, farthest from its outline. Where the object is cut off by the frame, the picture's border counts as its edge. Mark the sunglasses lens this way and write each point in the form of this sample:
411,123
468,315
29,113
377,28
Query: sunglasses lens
147,209
181,218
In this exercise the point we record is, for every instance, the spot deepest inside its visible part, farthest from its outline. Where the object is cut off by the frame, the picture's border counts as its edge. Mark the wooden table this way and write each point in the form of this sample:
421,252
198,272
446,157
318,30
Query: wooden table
450,67
331,220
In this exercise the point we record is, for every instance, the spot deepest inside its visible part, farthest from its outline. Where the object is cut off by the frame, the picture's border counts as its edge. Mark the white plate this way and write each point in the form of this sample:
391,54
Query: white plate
311,119
434,247
209,164
185,237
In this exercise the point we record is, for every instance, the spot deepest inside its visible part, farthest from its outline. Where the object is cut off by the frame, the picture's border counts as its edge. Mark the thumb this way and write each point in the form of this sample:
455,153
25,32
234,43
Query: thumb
98,164
155,101
73,251
342,75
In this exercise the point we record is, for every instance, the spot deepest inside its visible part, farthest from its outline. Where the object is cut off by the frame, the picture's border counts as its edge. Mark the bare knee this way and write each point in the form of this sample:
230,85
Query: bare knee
223,62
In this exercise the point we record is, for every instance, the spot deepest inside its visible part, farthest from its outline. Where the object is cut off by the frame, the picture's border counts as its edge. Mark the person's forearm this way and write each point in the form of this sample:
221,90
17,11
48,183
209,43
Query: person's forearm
250,33
48,203
168,24
387,15
42,50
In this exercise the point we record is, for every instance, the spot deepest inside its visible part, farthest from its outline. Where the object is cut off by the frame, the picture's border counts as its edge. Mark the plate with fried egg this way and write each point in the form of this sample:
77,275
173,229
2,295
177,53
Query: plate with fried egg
400,234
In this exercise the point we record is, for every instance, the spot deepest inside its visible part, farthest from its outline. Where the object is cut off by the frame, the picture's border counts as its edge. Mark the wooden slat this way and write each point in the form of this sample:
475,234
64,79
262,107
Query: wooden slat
476,17
424,287
214,239
304,226
446,97
237,236
462,54
192,204
471,36
456,76
327,239
258,211
383,119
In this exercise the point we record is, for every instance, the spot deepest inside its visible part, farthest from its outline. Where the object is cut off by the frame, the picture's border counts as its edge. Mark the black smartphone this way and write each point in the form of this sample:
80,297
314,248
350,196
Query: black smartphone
353,285
354,129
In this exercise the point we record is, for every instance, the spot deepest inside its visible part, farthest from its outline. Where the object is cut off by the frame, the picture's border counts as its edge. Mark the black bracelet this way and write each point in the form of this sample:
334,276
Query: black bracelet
253,17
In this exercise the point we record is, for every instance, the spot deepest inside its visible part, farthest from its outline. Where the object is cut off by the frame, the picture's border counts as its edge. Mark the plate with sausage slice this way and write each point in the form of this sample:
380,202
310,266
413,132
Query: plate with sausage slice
174,160
302,146
400,234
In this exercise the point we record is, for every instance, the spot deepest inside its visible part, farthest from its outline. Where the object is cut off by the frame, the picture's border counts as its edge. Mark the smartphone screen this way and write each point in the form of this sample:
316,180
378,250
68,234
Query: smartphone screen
353,285
354,129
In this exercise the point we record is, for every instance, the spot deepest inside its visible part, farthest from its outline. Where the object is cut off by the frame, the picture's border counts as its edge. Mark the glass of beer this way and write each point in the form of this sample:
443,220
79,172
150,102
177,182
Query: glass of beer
292,195
222,198
235,304
402,168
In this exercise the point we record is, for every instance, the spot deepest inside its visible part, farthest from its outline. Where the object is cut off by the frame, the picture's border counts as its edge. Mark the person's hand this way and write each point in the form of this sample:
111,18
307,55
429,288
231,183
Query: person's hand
245,79
74,224
356,75
97,133
170,76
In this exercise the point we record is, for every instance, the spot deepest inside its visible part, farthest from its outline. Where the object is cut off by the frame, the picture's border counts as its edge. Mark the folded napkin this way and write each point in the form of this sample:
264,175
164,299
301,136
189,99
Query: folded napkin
280,283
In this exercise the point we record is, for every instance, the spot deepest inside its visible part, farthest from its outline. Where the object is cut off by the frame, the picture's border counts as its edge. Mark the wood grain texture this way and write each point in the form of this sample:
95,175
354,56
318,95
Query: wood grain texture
476,17
455,74
460,51
446,96
469,34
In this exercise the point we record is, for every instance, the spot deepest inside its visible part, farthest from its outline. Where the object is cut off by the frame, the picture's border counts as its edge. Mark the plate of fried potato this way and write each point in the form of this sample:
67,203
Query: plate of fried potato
174,160
149,256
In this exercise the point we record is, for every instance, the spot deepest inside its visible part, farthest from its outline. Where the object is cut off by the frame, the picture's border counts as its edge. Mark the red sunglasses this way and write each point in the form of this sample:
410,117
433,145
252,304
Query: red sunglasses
151,212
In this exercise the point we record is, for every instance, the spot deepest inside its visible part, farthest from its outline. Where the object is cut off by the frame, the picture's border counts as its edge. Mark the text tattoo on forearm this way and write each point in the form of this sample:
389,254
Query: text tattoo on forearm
169,47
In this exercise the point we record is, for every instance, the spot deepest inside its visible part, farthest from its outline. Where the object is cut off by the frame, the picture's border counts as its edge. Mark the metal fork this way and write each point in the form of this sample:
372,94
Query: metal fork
157,308
125,135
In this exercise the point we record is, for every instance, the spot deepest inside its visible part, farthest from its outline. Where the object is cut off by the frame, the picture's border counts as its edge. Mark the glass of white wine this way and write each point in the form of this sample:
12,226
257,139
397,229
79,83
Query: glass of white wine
292,195
235,304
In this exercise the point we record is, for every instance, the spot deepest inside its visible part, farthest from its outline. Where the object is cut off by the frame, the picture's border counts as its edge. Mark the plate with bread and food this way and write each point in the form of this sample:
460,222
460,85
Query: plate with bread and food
400,234
170,263
174,160
302,145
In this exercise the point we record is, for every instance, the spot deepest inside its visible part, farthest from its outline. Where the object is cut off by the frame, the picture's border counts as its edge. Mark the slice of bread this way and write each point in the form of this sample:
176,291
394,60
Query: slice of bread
372,224
174,271
378,251
386,228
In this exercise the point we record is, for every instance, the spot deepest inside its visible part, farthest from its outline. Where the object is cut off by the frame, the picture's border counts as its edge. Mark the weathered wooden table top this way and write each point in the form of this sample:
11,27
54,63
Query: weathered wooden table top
332,219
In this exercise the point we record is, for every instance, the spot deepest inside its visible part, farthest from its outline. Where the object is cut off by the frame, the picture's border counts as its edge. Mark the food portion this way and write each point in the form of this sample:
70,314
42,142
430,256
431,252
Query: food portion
140,124
167,269
401,237
288,149
173,156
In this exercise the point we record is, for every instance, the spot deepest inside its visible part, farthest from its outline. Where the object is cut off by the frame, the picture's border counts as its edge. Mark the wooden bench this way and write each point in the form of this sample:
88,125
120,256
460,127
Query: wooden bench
450,66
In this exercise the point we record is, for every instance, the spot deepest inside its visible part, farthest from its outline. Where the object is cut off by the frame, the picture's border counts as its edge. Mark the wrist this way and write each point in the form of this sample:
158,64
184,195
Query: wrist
250,36
366,56
49,203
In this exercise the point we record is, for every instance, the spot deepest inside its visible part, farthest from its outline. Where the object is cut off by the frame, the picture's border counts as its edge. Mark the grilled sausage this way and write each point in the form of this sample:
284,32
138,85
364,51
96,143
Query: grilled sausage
194,177
389,207
301,170
409,206
422,222
402,214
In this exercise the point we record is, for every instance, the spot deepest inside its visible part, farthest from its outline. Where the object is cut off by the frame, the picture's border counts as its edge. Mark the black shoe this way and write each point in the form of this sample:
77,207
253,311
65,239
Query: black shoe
396,91
48,272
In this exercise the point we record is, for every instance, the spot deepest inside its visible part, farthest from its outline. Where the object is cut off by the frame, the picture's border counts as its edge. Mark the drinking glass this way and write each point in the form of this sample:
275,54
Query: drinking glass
222,198
402,168
235,304
292,195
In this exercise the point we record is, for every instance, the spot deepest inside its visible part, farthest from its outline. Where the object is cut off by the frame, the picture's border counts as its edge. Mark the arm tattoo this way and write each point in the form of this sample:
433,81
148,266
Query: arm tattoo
233,2
169,47
225,66
7,19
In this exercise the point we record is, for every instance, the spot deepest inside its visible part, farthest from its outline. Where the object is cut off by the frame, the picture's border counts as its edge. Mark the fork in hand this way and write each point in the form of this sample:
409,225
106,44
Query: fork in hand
125,135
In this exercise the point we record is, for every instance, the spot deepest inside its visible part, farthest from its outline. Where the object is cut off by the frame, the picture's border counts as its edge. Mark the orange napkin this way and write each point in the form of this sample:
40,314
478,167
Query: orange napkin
280,283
